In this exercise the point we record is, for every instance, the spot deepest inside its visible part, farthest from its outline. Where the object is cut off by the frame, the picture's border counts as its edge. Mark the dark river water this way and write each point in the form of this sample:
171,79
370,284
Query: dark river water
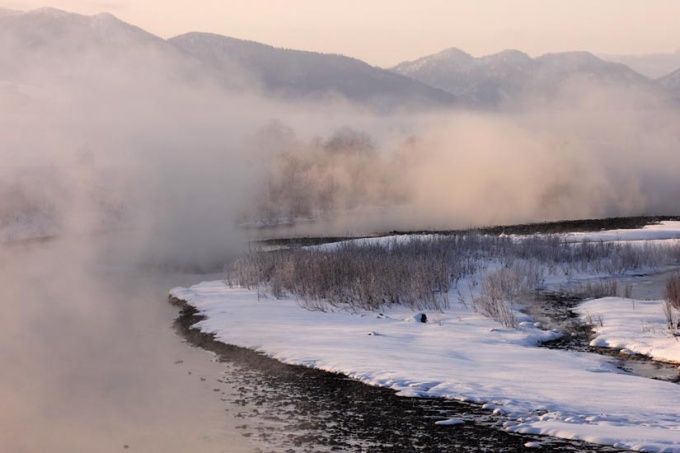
554,308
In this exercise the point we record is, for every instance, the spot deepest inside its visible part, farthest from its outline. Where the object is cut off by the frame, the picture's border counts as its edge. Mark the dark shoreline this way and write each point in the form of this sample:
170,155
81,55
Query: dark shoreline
553,227
312,410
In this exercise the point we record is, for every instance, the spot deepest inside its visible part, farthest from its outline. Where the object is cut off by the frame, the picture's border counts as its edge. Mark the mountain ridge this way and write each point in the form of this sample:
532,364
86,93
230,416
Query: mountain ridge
448,79
493,80
49,36
299,73
654,65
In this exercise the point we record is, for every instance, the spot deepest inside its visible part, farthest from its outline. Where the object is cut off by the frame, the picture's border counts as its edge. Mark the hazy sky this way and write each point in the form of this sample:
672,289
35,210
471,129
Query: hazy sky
385,32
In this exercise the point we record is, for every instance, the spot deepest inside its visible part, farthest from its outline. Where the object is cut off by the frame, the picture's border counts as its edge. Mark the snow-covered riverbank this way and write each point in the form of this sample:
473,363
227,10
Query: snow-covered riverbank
633,326
458,354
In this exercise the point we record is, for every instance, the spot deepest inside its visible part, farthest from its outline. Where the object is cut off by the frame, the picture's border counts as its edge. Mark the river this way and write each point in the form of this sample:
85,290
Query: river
90,361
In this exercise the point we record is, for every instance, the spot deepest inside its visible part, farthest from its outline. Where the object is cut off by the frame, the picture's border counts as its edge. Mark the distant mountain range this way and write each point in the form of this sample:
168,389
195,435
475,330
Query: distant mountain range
63,44
511,75
671,83
653,66
60,33
48,45
57,42
295,74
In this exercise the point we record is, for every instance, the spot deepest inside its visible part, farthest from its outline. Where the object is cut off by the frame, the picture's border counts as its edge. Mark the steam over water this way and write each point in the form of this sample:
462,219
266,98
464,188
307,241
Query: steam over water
129,133
90,362
138,145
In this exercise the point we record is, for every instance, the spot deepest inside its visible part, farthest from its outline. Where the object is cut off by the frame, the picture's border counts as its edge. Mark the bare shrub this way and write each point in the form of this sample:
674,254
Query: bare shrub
672,300
672,294
668,314
628,292
369,277
594,320
596,289
500,290
419,271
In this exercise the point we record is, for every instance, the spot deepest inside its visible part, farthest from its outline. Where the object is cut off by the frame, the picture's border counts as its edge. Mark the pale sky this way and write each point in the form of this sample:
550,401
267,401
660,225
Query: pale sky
386,32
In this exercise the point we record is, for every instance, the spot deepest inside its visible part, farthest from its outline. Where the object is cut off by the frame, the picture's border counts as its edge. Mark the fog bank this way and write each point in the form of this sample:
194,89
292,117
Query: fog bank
134,159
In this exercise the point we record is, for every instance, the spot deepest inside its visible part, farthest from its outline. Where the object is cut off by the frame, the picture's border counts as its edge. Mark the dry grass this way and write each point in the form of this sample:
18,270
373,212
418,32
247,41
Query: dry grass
419,272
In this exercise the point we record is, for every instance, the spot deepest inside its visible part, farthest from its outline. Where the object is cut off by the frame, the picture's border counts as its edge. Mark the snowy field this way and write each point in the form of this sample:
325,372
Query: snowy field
663,231
462,355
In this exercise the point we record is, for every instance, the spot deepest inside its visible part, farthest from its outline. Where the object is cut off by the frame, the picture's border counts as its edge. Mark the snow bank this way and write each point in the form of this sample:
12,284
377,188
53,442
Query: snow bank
637,326
457,354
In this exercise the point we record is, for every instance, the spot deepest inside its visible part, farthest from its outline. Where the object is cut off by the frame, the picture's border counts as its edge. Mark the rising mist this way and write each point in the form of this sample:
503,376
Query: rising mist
134,156
124,131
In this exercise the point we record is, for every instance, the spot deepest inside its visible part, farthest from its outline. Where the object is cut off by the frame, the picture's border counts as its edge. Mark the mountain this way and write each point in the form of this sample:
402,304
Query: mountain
555,68
295,74
47,45
653,66
671,83
487,81
511,75
56,30
50,45
8,12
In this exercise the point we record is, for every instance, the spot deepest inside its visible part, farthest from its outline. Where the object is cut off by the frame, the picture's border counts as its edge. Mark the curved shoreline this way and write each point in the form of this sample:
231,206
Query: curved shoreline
335,412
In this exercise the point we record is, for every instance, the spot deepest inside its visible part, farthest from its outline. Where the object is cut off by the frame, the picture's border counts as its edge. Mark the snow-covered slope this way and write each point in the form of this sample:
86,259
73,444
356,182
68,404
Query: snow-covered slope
47,46
57,30
493,80
488,80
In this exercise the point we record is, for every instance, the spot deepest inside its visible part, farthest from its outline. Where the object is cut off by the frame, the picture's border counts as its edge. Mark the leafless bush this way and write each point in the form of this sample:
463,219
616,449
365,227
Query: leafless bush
419,272
499,290
413,274
673,291
672,300
669,314
594,320
628,292
595,289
